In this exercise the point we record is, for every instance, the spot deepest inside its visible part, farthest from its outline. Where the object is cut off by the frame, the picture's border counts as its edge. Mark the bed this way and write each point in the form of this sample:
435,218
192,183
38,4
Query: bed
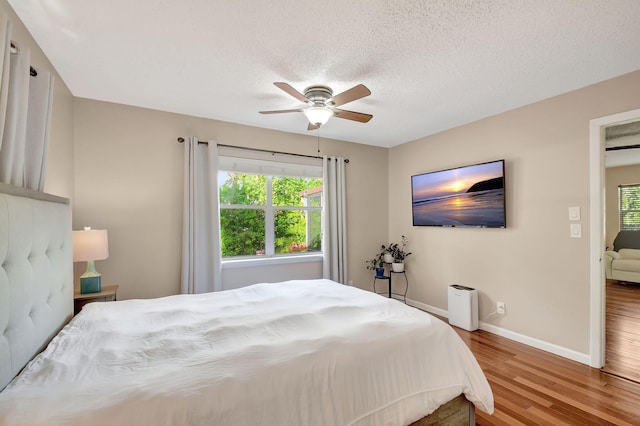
299,352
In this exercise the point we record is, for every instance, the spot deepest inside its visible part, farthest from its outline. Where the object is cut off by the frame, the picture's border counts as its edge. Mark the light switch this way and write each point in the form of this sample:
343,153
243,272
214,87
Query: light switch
576,230
574,213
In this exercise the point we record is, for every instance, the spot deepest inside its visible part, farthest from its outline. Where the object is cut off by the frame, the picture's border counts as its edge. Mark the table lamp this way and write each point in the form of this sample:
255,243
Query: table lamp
90,245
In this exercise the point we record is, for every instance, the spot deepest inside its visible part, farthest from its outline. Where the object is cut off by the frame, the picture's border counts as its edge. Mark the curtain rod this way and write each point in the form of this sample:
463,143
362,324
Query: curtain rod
181,140
14,50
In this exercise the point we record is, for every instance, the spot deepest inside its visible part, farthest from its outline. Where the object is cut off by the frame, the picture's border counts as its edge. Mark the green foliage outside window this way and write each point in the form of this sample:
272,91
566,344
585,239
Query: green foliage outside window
287,190
244,189
241,232
242,229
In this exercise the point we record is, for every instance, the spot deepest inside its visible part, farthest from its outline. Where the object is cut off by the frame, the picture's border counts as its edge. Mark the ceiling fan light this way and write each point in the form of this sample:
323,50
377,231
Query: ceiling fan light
318,115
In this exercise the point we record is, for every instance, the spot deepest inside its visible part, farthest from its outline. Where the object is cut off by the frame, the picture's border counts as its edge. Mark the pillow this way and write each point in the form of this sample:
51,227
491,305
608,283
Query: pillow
630,253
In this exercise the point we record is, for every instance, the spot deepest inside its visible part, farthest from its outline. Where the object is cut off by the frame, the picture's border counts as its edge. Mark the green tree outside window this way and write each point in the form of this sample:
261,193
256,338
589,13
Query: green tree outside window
252,205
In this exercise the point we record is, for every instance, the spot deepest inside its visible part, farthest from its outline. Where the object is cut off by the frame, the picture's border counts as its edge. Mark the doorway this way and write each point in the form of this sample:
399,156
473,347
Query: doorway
597,235
622,321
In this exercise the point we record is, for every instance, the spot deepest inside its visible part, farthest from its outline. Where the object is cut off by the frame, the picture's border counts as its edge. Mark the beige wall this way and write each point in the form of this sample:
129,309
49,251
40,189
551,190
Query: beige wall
533,266
242,275
129,181
59,168
615,176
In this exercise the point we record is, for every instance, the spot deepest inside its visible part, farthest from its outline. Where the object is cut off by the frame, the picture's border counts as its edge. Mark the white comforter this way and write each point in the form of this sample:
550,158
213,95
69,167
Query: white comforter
293,353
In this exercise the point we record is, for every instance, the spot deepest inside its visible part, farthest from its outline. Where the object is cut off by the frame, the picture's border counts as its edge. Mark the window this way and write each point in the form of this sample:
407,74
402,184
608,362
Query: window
629,207
267,214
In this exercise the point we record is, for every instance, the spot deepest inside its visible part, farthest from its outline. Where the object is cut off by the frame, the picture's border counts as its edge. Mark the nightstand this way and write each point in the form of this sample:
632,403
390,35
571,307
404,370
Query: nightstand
108,294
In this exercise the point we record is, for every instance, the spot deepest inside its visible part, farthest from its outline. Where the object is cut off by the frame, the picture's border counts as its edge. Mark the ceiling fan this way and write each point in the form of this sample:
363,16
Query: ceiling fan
322,103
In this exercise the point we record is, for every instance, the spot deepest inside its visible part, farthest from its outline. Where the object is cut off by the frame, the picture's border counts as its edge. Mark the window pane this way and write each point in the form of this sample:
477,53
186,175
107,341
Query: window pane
241,232
289,231
315,199
297,231
314,236
292,191
630,221
242,189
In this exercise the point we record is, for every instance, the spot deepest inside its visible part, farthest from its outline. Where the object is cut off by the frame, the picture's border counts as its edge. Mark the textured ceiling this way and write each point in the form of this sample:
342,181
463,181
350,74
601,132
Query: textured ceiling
430,64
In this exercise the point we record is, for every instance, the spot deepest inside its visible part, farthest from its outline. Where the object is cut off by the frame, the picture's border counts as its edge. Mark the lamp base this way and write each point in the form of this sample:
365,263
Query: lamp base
90,284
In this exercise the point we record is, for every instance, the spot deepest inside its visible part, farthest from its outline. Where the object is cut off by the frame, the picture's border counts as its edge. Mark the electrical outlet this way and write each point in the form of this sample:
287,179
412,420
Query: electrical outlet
500,308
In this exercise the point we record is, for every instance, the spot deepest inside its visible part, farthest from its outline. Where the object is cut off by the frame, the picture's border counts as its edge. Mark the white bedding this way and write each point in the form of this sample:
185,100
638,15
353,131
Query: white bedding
293,353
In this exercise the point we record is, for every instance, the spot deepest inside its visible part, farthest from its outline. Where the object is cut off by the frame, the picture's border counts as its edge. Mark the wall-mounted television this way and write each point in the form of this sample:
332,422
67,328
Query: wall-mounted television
469,196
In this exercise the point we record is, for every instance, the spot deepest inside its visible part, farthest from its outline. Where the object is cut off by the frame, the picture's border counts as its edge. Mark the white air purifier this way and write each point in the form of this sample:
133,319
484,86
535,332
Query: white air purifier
463,307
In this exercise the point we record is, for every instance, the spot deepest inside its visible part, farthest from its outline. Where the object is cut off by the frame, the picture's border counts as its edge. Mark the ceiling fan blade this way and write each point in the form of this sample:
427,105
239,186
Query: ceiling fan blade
280,111
290,90
352,115
356,92
312,127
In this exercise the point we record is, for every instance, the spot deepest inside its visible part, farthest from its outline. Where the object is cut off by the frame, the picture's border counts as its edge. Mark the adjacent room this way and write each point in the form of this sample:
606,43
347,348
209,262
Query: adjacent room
294,196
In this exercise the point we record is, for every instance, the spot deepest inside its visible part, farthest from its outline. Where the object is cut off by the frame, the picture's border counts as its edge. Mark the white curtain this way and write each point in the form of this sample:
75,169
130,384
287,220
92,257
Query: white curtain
38,124
334,236
201,226
12,154
5,49
25,115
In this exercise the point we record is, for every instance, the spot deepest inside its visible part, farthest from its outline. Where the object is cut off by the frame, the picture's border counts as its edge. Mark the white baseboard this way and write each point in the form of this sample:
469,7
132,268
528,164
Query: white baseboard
537,343
521,338
428,308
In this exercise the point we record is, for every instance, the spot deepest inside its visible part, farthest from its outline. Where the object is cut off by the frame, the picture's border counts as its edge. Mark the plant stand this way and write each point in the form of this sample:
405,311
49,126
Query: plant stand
389,293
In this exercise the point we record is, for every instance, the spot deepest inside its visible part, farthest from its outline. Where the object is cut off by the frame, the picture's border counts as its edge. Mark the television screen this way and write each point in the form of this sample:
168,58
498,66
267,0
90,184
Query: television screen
471,196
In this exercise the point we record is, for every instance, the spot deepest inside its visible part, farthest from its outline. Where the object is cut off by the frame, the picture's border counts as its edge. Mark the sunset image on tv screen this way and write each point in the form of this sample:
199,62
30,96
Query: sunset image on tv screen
465,196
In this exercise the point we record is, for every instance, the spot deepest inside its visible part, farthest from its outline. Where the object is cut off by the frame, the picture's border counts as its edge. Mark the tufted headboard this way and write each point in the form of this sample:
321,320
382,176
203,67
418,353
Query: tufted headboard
36,274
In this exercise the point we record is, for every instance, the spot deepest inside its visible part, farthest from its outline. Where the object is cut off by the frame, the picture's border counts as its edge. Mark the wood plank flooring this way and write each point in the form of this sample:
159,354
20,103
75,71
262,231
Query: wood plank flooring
623,330
533,387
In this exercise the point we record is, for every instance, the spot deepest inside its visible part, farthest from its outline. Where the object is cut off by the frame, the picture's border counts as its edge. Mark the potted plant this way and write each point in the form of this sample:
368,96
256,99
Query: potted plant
388,256
399,253
377,264
387,253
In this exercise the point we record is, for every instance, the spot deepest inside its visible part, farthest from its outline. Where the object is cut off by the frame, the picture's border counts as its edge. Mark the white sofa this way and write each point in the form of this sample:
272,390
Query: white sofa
623,265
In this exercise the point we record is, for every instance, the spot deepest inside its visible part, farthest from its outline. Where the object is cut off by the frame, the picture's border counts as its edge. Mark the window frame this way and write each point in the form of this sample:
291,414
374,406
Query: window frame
269,217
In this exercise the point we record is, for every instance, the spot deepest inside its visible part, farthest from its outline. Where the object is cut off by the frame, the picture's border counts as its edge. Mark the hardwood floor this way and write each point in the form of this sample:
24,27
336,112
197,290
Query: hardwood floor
623,330
533,387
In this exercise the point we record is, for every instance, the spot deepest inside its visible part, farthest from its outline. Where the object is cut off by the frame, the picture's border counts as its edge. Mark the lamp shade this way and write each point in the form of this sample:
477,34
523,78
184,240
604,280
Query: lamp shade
90,244
318,115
